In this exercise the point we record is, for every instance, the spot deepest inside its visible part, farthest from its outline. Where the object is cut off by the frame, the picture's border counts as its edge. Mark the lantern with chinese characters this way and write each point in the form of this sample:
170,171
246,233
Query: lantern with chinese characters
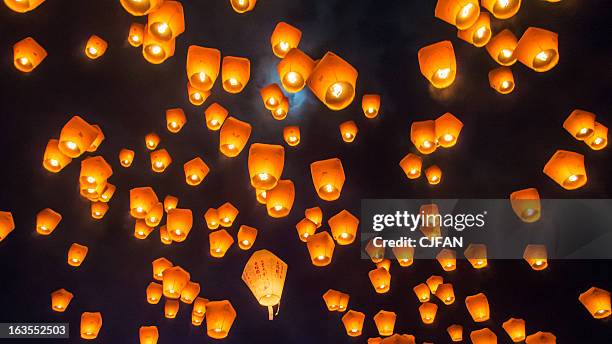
60,299
265,165
126,157
385,322
433,174
28,54
136,35
343,227
478,34
91,323
95,47
175,120
541,338
157,51
314,214
179,223
447,129
376,253
199,306
219,241
597,302
515,328
203,66
305,228
502,9
243,6
422,292
159,266
567,169
380,279
294,69
98,209
502,46
502,80
538,49
526,204
321,248
437,63
212,218
23,6
460,13
174,280
233,136
215,115
455,332
160,160
580,124
476,254
411,164
246,237
140,7
446,293
53,159
47,220
235,73
271,96
291,134
348,131
279,200
264,274
478,306
353,323
197,97
370,104
154,293
190,292
423,136
333,81
599,139
284,38
166,22
328,178
142,200
428,312
148,335
171,308
336,300
536,256
227,214
404,255
76,254
195,171
76,137
484,336
220,316
170,202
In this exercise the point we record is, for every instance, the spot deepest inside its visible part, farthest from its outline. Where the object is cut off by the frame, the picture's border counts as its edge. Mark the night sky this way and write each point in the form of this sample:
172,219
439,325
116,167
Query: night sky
503,147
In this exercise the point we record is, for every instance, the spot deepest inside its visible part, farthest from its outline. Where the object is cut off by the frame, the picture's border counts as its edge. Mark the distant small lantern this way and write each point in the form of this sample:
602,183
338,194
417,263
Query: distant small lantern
195,171
291,134
502,9
233,136
212,218
461,13
136,34
280,113
353,323
171,308
196,320
284,38
447,129
336,300
343,227
95,47
264,274
179,223
91,323
164,236
478,34
53,159
98,210
76,137
139,7
170,202
294,69
597,302
154,293
376,253
455,332
47,220
476,254
484,336
328,178
370,104
599,139
148,334
154,216
159,266
98,140
7,224
220,316
434,282
502,48
174,279
333,81
422,292
404,255
243,6
433,174
380,279
219,241
261,196
108,193
155,50
60,299
305,228
190,292
76,254
227,214
271,96
246,237
502,80
567,169
580,124
265,165
515,328
385,322
446,293
428,312
167,22
437,63
411,164
321,248
279,200
526,204
423,136
175,120
538,49
478,306
23,6
126,157
203,66
348,131
27,53
142,200
199,306
314,214
151,141
215,115
536,256
235,73
541,338
196,97
160,160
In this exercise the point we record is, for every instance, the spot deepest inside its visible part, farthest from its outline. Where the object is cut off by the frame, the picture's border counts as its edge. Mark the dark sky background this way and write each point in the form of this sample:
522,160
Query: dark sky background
504,145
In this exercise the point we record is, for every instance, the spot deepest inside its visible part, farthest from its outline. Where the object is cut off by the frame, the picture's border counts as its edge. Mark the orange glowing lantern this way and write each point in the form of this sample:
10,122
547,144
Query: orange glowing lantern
423,136
321,248
175,120
422,292
305,228
154,293
203,66
294,69
385,322
7,224
46,221
541,338
536,256
160,160
455,332
197,97
333,81
53,159
478,34
280,113
279,200
151,141
434,282
95,47
428,312
196,320
23,6
174,280
348,131
353,323
597,302
142,200
284,38
328,178
343,227
380,279
190,292
108,193
148,335
261,196
478,306
154,216
60,299
580,124
526,204
199,306
502,46
460,13
235,73
94,173
126,157
76,137
370,104
502,9
140,7
159,266
447,129
170,202
212,218
76,254
246,237
167,22
599,139
98,210
314,214
404,255
538,49
179,223
484,336
376,253
291,134
220,241
385,263
98,140
271,96
220,316
411,164
446,293
27,54
91,323
515,328
243,6
233,136
227,214
136,34
437,63
567,169
157,51
265,165
433,174
171,308
476,254
335,300
215,115
502,80
265,275
195,171
164,236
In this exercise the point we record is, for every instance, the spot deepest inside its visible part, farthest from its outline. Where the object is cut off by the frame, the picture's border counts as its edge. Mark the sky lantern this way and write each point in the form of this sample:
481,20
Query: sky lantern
294,69
108,193
23,6
567,169
179,223
243,6
385,322
279,200
235,73
246,237
502,48
95,47
411,164
27,54
140,7
343,227
227,214
155,50
284,38
175,120
171,308
60,299
190,292
526,204
376,254
166,22
94,173
478,306
502,9
174,280
321,248
271,96
199,306
538,49
348,131
203,66
423,136
536,256
98,140
328,178
314,214
264,274
142,200
126,157
164,236
170,202
233,136
428,312
76,254
291,134
91,323
580,124
160,160
597,302
152,140
433,174
434,282
476,254
422,292
148,334
47,220
353,323
446,293
455,332
370,104
76,137
502,80
261,196
154,293
136,34
541,338
447,129
380,279
305,228
336,300
404,255
98,210
53,159
196,320
197,97
385,263
154,216
515,328
220,241
280,113
265,165
211,216
159,266
484,336
333,81
195,171
437,63
478,34
599,139
215,115
220,316
461,13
